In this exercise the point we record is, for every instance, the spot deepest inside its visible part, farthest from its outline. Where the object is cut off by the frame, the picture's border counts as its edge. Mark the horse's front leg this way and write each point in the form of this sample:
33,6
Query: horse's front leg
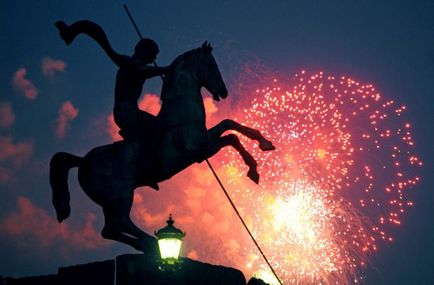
215,144
251,133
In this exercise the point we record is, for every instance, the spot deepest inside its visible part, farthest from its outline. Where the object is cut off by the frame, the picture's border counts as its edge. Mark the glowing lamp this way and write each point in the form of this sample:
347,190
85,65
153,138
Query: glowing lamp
169,243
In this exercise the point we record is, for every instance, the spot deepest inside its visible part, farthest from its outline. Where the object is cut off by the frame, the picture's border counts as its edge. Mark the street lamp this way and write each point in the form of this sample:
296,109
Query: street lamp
169,243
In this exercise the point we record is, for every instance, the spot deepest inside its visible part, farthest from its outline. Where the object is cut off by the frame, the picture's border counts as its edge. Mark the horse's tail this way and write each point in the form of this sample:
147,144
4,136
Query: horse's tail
60,164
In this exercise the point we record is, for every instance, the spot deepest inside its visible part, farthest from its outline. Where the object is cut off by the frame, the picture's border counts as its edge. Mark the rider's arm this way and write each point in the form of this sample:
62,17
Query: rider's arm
148,71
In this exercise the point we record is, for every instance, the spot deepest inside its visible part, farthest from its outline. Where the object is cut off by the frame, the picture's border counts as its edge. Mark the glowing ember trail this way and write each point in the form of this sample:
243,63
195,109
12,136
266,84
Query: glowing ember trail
337,182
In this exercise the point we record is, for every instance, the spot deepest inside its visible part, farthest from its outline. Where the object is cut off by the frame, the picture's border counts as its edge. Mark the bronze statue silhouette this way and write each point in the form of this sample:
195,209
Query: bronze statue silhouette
109,174
130,78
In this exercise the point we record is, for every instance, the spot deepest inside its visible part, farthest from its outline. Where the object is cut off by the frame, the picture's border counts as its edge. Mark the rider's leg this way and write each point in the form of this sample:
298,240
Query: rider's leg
137,125
251,133
218,143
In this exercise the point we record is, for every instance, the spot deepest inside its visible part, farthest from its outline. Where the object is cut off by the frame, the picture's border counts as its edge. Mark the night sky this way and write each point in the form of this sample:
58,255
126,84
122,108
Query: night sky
59,98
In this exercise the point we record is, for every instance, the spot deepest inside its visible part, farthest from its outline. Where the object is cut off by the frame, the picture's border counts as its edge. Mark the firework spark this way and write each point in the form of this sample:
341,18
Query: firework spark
338,180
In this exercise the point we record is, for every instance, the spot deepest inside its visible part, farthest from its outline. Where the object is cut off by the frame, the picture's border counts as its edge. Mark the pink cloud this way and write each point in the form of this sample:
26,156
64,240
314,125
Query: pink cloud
88,236
51,66
200,209
193,254
24,85
16,153
113,129
7,116
210,107
5,175
150,103
67,113
33,221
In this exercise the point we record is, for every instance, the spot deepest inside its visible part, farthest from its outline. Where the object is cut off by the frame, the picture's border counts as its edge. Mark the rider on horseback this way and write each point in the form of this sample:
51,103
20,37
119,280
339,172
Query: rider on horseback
109,174
135,124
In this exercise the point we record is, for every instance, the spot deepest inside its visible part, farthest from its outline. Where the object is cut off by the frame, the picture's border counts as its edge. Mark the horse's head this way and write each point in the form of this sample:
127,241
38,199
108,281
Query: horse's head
199,66
208,73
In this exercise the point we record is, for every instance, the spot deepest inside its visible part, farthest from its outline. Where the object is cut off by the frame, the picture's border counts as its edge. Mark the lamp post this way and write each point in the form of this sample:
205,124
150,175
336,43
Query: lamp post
169,243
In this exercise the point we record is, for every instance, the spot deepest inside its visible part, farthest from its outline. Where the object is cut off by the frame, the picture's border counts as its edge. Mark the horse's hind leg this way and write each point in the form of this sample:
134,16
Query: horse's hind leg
251,133
232,140
118,226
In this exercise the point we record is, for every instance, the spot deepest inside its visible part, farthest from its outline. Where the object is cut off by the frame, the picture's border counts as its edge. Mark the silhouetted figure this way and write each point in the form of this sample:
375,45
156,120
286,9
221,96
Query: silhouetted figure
109,174
133,71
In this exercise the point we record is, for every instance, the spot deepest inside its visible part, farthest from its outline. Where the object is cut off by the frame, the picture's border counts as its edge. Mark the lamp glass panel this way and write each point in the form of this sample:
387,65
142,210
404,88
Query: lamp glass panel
169,247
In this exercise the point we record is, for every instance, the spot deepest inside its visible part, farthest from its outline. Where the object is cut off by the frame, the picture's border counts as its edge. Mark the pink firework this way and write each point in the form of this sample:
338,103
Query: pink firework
339,179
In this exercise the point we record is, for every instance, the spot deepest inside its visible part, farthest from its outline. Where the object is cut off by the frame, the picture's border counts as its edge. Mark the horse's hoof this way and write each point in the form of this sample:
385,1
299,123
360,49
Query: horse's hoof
266,146
64,32
254,175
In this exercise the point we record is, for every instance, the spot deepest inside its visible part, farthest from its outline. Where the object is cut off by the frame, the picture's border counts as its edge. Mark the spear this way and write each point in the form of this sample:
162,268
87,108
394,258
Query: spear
213,171
138,31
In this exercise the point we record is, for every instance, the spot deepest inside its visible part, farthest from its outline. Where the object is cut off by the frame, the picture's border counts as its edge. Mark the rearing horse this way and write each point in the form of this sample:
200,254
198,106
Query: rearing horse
109,174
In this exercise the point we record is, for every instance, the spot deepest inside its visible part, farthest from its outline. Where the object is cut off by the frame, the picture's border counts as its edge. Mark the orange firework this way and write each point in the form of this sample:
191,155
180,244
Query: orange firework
339,178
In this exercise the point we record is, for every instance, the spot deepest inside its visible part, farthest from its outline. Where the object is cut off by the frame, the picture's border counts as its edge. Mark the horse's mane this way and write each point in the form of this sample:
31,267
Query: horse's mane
185,57
206,47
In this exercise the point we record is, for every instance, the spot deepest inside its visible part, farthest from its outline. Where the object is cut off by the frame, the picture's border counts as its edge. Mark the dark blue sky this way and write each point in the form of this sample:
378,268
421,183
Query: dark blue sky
387,43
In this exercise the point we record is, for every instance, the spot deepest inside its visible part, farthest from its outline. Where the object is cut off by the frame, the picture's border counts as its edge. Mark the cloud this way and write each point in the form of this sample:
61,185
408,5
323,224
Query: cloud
7,116
24,85
113,129
5,175
150,103
31,220
200,209
51,66
88,236
193,254
16,153
67,113
43,229
145,217
210,107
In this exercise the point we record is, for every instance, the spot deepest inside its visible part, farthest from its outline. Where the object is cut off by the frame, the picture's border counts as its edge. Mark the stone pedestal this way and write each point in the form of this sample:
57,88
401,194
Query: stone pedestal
138,269
101,273
34,280
135,269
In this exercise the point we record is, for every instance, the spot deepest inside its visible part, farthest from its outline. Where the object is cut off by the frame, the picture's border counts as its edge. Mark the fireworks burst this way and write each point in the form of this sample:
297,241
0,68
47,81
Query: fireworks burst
339,177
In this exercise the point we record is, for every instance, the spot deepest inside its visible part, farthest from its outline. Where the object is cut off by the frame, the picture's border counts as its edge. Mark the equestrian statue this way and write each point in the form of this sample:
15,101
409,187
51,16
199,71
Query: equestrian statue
154,148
